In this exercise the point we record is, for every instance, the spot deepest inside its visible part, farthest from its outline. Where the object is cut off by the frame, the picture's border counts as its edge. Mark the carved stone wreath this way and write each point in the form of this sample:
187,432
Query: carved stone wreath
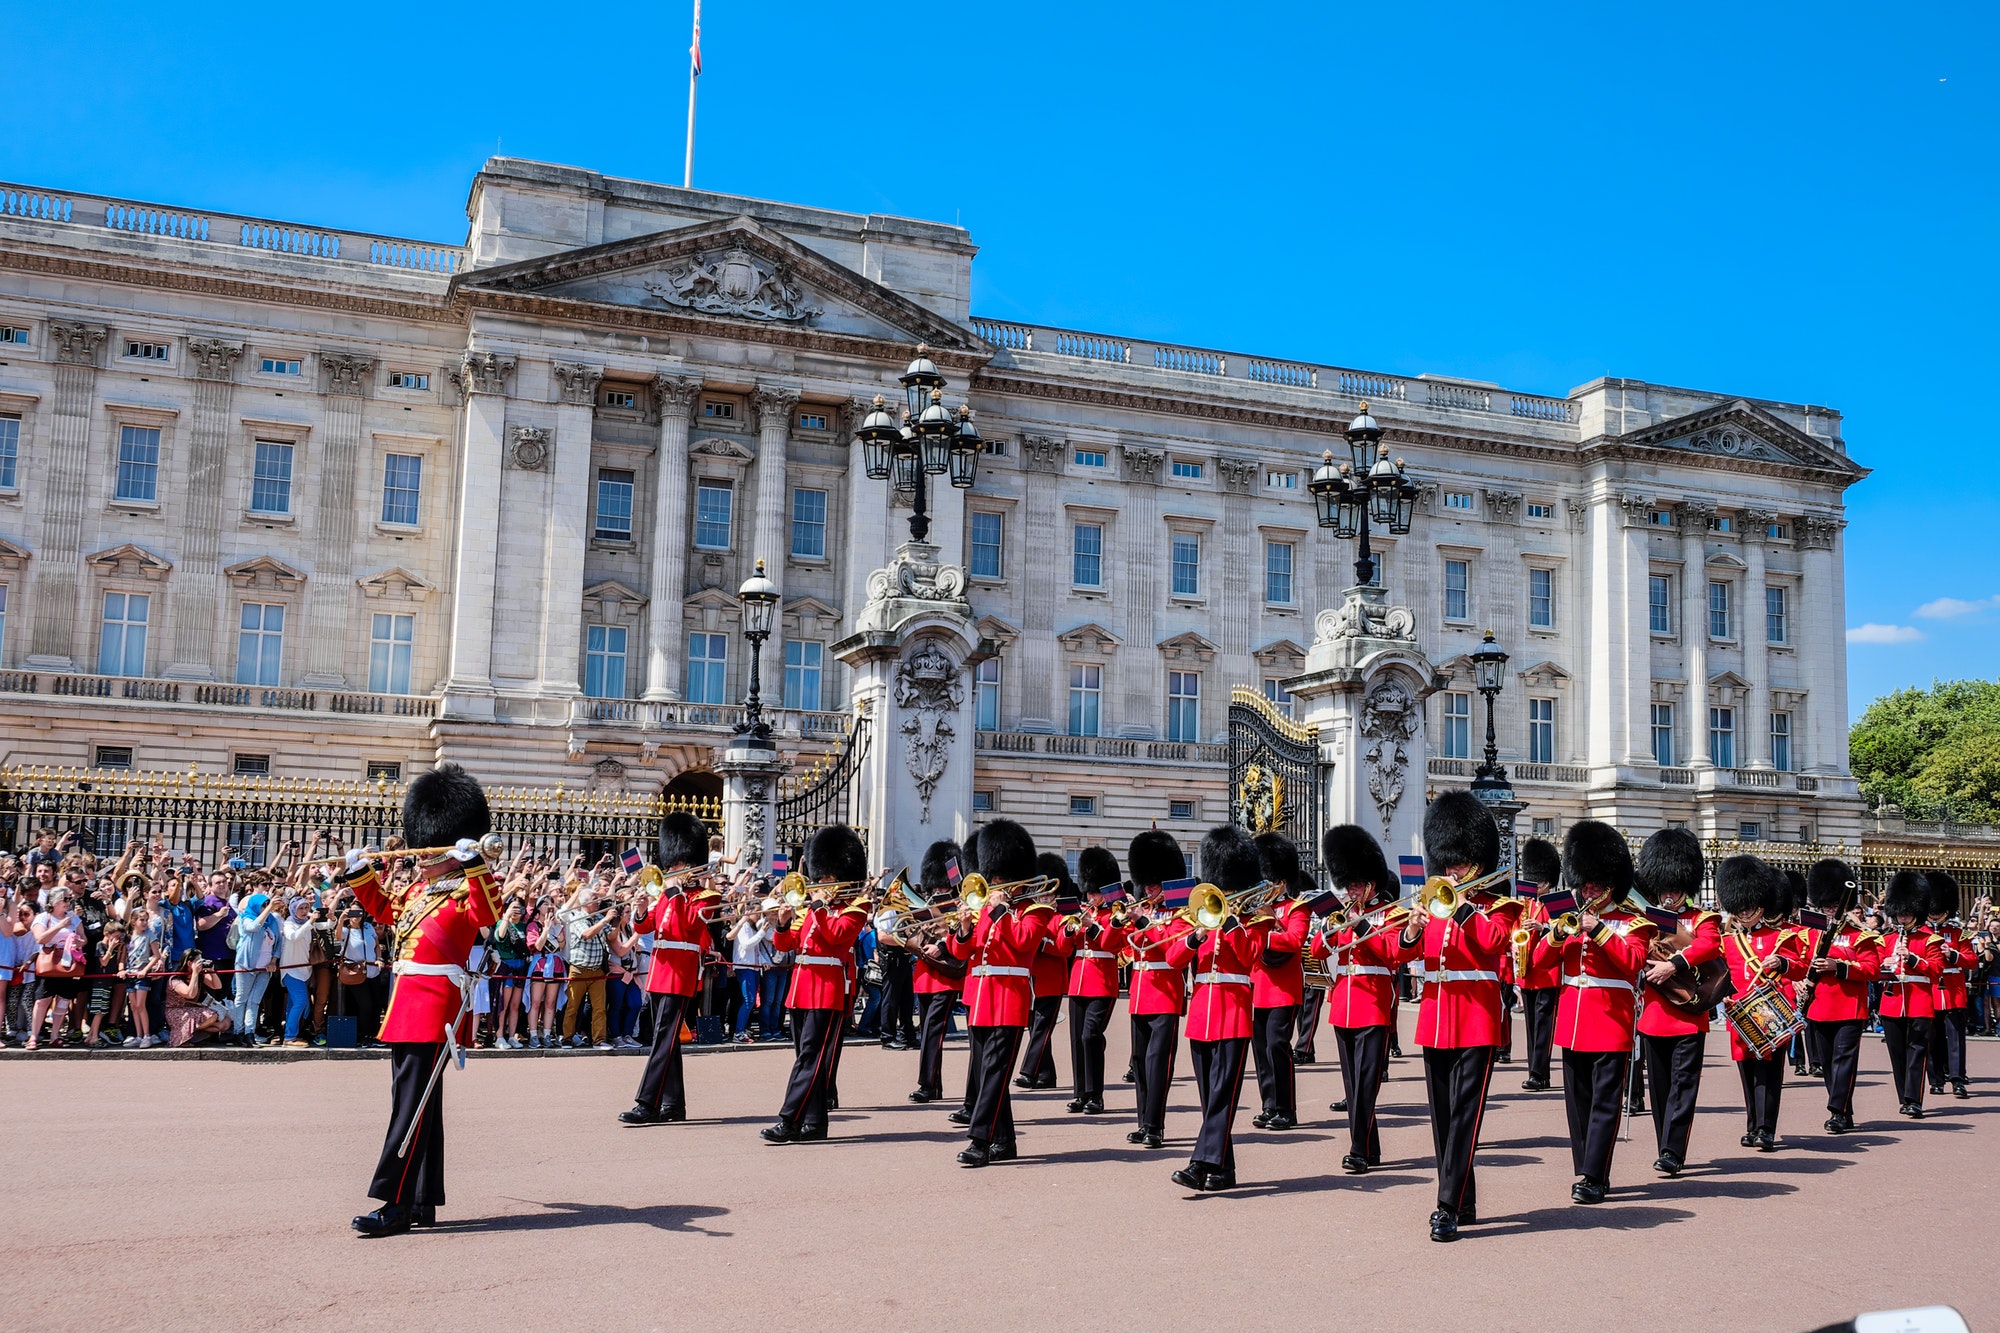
1388,723
530,451
735,282
929,692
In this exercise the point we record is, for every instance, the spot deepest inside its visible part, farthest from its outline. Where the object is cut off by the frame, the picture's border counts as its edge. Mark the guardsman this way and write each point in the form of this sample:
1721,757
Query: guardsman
1601,961
437,920
1219,1009
1539,871
1756,898
1912,961
1458,1019
823,934
1361,1005
999,946
1673,1036
1158,988
1277,985
1092,941
1950,1016
678,923
1836,1009
937,977
1051,969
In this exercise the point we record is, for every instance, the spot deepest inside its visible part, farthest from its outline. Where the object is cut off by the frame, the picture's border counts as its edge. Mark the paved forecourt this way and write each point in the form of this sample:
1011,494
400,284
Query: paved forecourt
206,1194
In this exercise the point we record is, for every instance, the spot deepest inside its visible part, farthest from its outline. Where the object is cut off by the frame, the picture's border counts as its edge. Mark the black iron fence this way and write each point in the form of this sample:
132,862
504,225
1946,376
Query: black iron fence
824,794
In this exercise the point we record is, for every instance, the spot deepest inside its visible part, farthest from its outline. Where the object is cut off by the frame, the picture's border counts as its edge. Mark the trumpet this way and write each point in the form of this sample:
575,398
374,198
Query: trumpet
794,893
492,847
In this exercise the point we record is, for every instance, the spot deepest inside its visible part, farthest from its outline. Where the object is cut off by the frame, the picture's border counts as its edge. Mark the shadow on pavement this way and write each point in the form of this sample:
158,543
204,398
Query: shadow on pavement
1615,1217
1698,1188
1375,1180
563,1216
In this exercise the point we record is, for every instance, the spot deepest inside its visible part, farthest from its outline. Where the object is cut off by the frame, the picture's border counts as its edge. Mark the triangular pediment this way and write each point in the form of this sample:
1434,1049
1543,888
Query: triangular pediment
611,590
1728,680
263,571
12,554
1187,647
713,447
1280,653
396,584
1740,431
1089,638
998,629
736,270
811,606
1545,673
129,561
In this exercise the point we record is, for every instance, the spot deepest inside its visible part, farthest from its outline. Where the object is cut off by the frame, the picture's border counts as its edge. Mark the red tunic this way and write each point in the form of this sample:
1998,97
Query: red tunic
1051,958
1907,982
1842,994
1958,960
1158,986
1600,977
824,940
435,932
1461,1004
679,927
930,979
1092,945
1662,1019
1364,975
999,984
1220,1008
1777,957
1281,983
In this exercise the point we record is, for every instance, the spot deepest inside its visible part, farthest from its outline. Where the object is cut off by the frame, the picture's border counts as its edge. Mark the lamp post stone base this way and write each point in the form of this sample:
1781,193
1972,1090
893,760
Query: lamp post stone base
750,768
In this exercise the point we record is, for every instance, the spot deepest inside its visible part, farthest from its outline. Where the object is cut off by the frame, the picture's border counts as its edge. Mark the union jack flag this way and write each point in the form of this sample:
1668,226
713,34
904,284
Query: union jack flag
695,50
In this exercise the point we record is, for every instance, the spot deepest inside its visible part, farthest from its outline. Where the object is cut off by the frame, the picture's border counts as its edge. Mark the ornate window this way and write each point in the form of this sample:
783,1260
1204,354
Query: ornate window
402,487
1722,737
260,643
1457,590
614,505
139,464
1087,555
1541,731
1777,624
708,661
1278,572
1541,598
1183,705
271,479
1186,564
1663,735
803,660
10,450
988,535
391,641
809,523
604,662
713,501
121,644
1086,695
1660,604
986,694
1718,611
1781,742
1457,725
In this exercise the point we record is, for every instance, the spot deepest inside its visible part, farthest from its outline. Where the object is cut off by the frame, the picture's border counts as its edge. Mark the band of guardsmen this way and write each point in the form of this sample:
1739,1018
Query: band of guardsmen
1617,967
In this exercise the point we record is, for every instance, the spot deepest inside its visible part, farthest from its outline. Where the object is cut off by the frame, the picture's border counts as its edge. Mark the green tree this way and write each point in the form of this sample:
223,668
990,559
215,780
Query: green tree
1963,774
1929,747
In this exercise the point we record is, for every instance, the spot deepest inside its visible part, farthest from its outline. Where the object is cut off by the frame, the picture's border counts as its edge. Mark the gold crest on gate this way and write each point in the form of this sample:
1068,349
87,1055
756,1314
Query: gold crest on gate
1260,799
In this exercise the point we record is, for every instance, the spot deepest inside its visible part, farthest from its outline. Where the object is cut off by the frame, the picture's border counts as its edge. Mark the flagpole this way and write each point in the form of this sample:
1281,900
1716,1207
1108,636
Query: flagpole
694,75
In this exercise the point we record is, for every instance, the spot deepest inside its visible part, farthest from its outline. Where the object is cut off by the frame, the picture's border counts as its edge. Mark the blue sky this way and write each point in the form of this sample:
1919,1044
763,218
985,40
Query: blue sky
1793,201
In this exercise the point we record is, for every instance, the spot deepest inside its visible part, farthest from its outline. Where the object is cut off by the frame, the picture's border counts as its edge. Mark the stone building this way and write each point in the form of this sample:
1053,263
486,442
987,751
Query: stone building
327,503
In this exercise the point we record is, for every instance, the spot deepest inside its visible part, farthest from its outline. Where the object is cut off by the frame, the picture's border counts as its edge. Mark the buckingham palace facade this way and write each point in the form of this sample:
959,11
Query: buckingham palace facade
285,499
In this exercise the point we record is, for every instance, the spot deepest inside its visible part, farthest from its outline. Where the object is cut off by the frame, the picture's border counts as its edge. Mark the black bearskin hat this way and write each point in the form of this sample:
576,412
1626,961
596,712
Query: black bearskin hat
1096,869
931,876
1352,856
1155,858
1459,831
1052,866
1539,865
968,856
1908,894
1742,885
1945,899
683,841
1795,892
836,853
1832,884
1278,859
1670,865
1229,859
1006,852
444,805
1594,853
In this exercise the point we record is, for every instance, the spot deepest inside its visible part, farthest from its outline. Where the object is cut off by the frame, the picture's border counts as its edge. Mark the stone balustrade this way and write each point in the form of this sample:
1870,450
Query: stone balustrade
1102,747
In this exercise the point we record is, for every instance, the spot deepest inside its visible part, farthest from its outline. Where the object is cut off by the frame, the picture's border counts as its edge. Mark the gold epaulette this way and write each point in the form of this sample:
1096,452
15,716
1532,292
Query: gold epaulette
1038,907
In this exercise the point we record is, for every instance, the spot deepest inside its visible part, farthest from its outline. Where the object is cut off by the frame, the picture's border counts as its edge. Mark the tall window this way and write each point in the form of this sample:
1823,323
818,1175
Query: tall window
121,648
988,535
402,484
3,622
986,693
712,501
1183,706
708,660
1659,604
1278,573
1457,590
139,464
803,658
390,642
10,451
1187,564
1781,742
1280,697
1663,735
1086,692
614,505
1542,598
1777,628
260,643
809,524
1541,731
1718,610
1087,557
1722,737
604,661
271,479
1457,725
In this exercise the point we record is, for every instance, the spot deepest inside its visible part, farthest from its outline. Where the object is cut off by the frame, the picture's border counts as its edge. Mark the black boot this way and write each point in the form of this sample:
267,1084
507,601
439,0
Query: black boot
1444,1225
391,1219
1586,1190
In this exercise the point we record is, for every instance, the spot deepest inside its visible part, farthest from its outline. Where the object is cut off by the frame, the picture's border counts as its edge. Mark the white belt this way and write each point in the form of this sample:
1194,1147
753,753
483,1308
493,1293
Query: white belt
1901,980
1094,953
1588,982
675,944
988,970
1222,978
1154,967
1952,971
1461,976
1359,970
457,974
814,960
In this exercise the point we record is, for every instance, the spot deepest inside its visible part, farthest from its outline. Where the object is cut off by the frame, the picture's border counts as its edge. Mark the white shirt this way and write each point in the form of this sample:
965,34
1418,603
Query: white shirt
753,944
296,953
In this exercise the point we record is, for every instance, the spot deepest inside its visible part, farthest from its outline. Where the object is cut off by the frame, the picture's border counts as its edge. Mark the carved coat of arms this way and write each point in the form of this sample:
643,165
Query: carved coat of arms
1388,723
1260,799
735,282
929,692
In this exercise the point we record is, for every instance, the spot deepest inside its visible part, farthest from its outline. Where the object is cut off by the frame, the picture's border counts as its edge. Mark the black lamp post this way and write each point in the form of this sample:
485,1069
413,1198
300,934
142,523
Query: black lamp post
1367,489
759,597
1490,782
930,442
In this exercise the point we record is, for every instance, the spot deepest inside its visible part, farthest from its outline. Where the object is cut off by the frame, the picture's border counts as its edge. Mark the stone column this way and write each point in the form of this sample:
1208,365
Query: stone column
51,644
482,378
1146,548
1695,516
1823,646
563,534
193,611
1754,731
1612,667
750,771
1042,695
1242,567
674,397
339,511
1634,636
771,536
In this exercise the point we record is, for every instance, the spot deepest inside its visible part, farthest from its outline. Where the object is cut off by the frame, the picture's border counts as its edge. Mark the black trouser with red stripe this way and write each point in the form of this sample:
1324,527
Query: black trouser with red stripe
1455,1079
1594,1095
1538,1006
1364,1062
1947,1046
1837,1046
993,1052
419,1177
1089,1016
1908,1040
934,1020
660,1087
1038,1066
1271,1048
1763,1089
1155,1041
1673,1066
815,1045
1218,1077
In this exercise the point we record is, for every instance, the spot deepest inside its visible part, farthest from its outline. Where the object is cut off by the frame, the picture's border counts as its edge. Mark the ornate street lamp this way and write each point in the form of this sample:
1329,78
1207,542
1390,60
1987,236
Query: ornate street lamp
1488,662
759,598
1366,489
930,442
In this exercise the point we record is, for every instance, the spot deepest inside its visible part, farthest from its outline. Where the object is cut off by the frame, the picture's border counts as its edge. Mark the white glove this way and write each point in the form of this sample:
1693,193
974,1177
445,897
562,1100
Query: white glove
355,860
465,849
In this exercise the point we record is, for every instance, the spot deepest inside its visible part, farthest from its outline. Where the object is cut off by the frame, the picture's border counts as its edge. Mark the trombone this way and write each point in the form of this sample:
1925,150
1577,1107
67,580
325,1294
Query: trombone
492,848
1209,907
1438,897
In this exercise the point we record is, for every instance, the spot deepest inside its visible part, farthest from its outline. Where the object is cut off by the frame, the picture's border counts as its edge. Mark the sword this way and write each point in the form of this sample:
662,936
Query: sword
452,1051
